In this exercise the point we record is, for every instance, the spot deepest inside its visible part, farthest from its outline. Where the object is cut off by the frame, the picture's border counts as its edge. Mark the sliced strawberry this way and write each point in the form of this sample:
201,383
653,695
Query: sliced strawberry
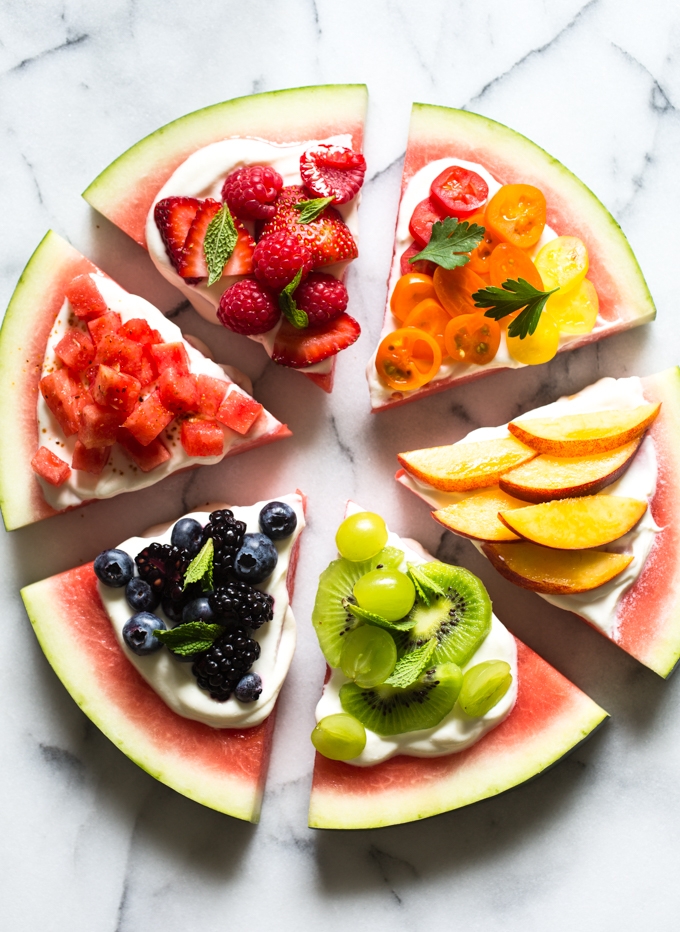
85,299
300,348
332,171
50,467
202,437
92,461
241,260
145,457
192,263
174,216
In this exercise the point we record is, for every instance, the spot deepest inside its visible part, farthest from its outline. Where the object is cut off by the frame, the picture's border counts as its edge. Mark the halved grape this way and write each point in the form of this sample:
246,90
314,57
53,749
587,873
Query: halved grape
369,656
339,737
389,593
361,536
484,685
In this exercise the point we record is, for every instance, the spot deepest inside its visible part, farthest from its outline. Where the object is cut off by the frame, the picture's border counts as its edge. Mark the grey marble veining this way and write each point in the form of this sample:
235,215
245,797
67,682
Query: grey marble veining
92,844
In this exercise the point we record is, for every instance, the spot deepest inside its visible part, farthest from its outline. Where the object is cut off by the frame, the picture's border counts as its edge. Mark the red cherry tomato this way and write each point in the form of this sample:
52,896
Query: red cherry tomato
422,266
458,192
420,227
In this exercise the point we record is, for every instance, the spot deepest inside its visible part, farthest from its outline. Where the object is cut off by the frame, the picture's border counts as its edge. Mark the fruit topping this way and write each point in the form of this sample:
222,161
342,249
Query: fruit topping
301,348
163,567
113,389
192,261
385,592
327,237
537,347
455,289
84,297
516,214
562,263
278,257
174,216
422,220
458,192
256,558
177,392
477,515
431,317
461,467
148,457
361,536
251,191
369,655
408,358
277,520
248,688
220,668
239,602
187,534
140,596
211,394
227,535
138,633
239,411
171,356
484,685
472,338
332,171
511,262
65,396
148,418
248,307
75,349
583,434
114,568
322,297
422,266
202,437
199,609
576,310
410,290
50,467
91,460
339,737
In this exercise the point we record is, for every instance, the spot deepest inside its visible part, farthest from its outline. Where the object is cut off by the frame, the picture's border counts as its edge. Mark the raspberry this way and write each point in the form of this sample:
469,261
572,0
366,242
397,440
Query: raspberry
278,257
250,192
247,307
332,171
322,297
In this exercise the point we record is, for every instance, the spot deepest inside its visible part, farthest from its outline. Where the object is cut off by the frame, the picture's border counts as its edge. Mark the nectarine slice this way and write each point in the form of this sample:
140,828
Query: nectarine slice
549,477
555,572
576,523
584,434
477,516
461,467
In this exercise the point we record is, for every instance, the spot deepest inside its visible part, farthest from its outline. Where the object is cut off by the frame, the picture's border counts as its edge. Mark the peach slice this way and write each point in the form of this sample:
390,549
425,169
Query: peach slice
549,477
461,467
576,523
554,572
584,434
477,516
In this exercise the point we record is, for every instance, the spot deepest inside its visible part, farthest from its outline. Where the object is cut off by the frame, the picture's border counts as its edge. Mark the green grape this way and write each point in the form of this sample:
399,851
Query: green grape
339,737
361,536
369,655
385,592
484,685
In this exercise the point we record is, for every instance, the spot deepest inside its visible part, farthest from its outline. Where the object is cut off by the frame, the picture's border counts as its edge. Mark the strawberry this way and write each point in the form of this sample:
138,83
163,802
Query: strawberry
328,237
174,216
300,348
193,263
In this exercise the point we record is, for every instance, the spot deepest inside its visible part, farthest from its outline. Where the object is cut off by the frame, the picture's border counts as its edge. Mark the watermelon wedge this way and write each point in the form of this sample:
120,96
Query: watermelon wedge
224,769
126,190
28,322
572,209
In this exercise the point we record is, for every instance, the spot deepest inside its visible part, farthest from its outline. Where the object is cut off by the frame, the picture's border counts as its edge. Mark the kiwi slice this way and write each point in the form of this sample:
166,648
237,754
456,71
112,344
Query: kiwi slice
459,620
330,617
390,710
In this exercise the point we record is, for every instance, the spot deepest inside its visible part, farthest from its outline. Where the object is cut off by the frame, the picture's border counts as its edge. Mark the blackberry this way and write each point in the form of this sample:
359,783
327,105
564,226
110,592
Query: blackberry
227,534
163,567
239,602
220,669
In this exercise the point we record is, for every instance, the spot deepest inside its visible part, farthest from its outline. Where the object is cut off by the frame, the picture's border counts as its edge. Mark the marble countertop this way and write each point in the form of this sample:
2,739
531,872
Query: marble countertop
93,844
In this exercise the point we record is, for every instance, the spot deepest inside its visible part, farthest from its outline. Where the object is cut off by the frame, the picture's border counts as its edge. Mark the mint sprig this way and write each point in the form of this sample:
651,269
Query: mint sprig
449,241
412,665
190,638
404,624
297,317
513,296
426,588
200,570
220,241
310,210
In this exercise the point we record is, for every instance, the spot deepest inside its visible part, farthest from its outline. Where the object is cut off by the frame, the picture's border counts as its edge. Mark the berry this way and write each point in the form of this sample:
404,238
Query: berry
256,558
241,603
227,534
248,688
222,666
114,568
248,307
278,257
140,596
173,609
277,520
138,633
174,216
163,567
322,297
332,171
328,237
187,534
192,264
198,610
250,192
300,348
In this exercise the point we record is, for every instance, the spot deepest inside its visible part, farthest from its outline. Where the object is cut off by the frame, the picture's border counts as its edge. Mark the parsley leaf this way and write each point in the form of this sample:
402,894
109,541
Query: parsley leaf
513,296
405,624
310,210
450,238
190,638
297,317
201,567
219,243
412,665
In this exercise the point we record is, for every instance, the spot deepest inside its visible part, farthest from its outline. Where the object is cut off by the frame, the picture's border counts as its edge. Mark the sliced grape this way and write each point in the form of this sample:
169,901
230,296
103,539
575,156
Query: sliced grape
361,536
484,685
369,655
339,737
386,592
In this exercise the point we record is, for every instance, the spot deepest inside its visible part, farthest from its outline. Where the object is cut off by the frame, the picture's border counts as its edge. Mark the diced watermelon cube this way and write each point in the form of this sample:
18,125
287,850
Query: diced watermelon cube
211,394
85,298
65,396
99,426
48,465
148,419
92,461
146,457
178,392
118,351
147,371
113,389
107,323
239,411
202,437
171,356
140,331
75,349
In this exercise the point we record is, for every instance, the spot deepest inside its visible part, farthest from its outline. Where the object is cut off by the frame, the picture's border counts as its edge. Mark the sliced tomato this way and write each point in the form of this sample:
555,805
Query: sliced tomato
408,359
431,317
516,214
510,262
455,287
421,266
459,192
409,291
472,338
422,218
479,257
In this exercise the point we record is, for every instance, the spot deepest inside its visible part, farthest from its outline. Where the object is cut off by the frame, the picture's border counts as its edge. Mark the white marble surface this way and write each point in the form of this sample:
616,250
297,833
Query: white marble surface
93,844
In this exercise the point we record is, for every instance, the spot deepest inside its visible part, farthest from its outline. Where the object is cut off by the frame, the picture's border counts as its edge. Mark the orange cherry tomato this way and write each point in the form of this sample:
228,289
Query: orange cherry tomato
479,257
472,338
508,261
516,214
408,358
409,291
455,287
431,317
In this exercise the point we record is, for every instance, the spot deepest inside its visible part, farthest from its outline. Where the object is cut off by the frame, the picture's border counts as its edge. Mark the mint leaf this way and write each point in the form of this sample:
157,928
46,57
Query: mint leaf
450,238
201,567
289,308
412,665
219,243
426,588
190,638
372,619
513,296
310,210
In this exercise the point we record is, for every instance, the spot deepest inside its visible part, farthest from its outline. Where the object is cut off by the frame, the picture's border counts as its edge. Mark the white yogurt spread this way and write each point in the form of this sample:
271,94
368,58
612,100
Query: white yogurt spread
120,474
202,176
172,679
457,730
598,606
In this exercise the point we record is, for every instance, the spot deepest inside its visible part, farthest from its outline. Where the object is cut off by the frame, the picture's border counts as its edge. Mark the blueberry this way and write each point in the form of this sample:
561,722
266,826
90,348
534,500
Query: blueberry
277,520
114,568
256,558
198,610
172,611
138,633
140,596
248,688
187,534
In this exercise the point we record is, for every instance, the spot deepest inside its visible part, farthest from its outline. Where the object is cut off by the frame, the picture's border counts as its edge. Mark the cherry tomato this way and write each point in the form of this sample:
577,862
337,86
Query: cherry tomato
455,287
540,346
563,263
576,310
458,192
422,265
409,291
472,338
479,257
408,358
431,317
516,214
507,261
422,218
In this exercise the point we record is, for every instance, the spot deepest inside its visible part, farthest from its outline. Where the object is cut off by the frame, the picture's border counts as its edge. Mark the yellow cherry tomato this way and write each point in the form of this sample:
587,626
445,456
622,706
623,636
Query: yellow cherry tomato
576,310
516,214
562,263
538,347
431,317
479,257
408,358
472,338
409,291
455,288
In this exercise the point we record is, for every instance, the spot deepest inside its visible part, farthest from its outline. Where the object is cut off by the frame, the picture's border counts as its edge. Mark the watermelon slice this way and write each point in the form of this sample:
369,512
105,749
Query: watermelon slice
224,769
126,190
441,132
36,302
